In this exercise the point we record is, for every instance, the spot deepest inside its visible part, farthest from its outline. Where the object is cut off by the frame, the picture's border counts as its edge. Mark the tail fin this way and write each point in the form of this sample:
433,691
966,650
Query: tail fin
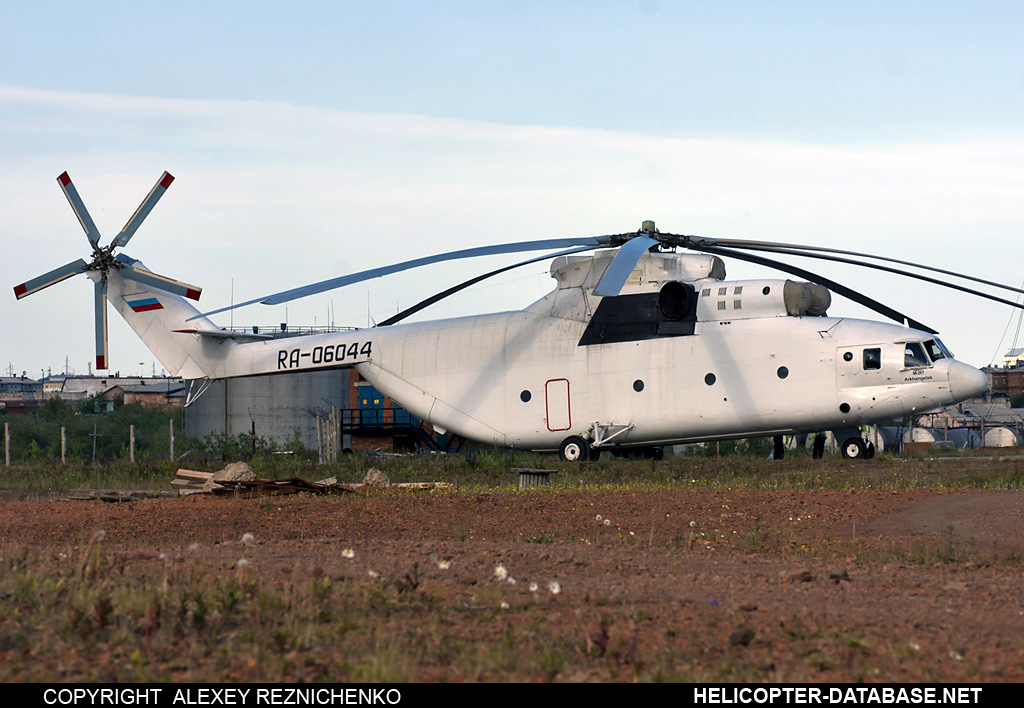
159,318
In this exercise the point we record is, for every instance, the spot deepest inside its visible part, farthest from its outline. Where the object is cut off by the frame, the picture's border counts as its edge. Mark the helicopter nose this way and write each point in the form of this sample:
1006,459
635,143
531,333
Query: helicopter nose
965,381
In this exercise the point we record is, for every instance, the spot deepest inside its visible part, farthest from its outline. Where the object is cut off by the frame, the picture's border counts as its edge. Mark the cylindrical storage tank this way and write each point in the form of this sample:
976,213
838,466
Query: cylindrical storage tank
885,438
928,435
1000,437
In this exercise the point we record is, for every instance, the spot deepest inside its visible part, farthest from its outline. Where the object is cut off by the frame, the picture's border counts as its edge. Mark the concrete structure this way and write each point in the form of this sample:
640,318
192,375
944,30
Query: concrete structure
276,405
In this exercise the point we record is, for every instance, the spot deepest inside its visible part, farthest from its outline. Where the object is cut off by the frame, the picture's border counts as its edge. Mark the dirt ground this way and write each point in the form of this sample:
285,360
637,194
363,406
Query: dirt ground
787,585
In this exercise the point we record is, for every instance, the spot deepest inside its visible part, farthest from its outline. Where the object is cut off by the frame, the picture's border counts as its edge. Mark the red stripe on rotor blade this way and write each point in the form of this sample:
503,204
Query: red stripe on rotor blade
193,294
64,179
166,181
101,361
20,290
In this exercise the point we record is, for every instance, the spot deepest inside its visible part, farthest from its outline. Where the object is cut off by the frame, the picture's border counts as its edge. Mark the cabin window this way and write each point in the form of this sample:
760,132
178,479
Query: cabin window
872,359
914,356
525,396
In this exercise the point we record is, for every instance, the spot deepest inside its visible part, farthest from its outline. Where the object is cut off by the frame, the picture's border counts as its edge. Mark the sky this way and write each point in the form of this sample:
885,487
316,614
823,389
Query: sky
321,138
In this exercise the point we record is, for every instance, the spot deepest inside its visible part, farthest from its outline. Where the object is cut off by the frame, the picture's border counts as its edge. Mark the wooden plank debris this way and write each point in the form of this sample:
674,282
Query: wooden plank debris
193,482
117,495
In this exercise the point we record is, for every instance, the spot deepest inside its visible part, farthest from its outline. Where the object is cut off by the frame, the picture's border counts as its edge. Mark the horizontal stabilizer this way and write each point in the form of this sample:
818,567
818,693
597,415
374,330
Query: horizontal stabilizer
224,334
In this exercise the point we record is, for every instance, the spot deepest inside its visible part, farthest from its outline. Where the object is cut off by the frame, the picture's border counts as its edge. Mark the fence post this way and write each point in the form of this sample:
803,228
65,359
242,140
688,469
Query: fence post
63,445
171,421
131,443
7,444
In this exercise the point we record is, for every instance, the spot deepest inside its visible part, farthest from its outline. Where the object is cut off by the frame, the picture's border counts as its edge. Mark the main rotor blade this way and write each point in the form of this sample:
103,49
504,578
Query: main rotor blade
52,278
622,265
769,245
100,293
142,212
323,286
918,276
857,297
91,232
409,311
162,282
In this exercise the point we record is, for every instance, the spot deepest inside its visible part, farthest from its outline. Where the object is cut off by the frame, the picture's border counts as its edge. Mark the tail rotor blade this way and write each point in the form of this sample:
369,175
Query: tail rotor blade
52,278
142,212
91,232
162,282
100,292
622,265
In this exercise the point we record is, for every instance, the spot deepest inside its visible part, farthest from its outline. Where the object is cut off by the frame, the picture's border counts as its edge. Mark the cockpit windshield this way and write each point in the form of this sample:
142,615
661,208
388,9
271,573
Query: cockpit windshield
937,350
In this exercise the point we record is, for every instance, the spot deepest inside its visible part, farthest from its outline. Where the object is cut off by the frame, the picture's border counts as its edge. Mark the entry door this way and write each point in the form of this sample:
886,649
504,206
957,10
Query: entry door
556,395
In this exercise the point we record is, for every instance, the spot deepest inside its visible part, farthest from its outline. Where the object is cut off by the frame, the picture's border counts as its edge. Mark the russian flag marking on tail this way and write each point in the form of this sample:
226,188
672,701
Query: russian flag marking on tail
145,304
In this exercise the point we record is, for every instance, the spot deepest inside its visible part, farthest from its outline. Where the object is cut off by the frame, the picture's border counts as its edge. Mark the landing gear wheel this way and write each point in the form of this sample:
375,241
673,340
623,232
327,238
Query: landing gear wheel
574,449
854,448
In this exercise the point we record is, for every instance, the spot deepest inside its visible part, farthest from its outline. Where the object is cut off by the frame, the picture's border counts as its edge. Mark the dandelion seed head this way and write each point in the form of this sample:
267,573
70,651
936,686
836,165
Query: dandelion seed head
242,564
599,517
693,524
607,522
193,547
247,538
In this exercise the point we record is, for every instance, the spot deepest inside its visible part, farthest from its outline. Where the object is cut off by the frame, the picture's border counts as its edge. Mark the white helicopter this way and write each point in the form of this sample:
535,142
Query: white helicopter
639,345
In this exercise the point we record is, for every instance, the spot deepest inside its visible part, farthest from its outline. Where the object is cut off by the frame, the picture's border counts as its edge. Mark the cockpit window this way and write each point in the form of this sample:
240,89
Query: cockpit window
935,349
914,356
942,347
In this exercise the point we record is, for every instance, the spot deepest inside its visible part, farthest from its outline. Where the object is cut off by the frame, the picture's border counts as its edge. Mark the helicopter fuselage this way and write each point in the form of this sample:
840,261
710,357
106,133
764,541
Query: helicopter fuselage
711,359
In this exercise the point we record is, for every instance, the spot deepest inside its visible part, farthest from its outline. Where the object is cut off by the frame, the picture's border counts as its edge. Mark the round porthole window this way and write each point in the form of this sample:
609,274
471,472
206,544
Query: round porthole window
847,356
783,372
525,396
844,407
710,379
638,385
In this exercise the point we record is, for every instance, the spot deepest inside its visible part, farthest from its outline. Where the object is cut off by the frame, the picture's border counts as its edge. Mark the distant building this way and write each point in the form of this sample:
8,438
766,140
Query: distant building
78,388
20,388
1014,358
165,397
